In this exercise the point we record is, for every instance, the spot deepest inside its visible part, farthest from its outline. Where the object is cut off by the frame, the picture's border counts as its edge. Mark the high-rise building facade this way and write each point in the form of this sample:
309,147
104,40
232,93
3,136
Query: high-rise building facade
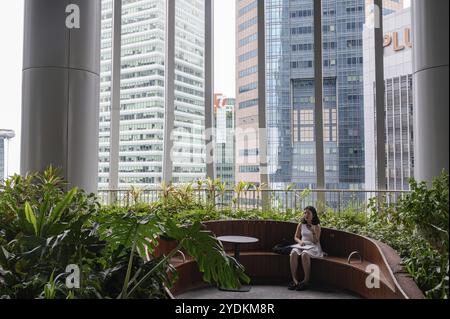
225,144
399,104
5,136
247,102
142,95
290,82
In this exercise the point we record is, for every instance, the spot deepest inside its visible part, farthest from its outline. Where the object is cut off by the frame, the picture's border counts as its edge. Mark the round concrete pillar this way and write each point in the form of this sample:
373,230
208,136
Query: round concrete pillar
60,98
431,81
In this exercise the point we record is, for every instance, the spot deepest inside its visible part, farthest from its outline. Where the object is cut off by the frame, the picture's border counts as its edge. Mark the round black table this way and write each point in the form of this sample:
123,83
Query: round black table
237,241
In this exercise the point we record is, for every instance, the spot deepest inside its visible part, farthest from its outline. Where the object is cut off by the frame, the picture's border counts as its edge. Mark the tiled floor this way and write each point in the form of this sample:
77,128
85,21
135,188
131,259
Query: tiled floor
271,292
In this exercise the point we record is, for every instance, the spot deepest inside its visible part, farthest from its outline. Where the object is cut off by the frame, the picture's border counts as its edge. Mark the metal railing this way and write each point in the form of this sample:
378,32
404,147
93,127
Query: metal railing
337,200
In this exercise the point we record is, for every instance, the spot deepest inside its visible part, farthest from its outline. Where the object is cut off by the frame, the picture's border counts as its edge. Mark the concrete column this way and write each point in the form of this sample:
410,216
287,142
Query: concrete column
380,98
60,96
318,109
262,136
209,89
169,93
114,140
430,29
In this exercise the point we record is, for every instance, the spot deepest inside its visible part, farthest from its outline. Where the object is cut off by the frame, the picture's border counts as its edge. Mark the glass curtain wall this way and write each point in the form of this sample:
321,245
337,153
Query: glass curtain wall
290,81
189,153
142,93
105,93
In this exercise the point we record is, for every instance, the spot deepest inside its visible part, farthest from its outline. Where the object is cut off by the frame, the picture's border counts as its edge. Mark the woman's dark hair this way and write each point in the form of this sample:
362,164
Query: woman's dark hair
315,219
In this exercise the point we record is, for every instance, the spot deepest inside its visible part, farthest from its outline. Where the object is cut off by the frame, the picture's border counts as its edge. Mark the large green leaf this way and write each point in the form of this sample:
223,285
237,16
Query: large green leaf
126,230
209,254
62,205
43,209
31,218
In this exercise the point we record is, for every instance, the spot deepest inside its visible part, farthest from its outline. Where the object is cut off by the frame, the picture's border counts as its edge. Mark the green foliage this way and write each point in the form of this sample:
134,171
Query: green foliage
139,228
131,229
428,209
44,228
416,226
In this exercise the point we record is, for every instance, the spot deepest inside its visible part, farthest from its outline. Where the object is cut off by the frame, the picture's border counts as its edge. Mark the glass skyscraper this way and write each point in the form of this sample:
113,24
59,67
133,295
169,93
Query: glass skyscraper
142,100
290,98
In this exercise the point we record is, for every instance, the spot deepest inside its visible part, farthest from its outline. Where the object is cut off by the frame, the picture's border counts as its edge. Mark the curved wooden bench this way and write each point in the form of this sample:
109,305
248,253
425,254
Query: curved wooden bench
265,267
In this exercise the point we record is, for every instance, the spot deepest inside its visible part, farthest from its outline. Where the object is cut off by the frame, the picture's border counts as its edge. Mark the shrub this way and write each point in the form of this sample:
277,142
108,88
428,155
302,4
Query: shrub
44,228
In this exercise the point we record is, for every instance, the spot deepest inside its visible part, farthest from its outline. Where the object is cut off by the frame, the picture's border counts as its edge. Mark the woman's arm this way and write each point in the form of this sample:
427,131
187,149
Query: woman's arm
316,231
298,235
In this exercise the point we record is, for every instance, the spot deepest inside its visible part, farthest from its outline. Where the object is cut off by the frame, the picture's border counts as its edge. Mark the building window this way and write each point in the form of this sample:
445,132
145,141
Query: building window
248,8
248,87
249,71
249,103
248,40
249,169
249,152
306,117
306,134
248,55
248,24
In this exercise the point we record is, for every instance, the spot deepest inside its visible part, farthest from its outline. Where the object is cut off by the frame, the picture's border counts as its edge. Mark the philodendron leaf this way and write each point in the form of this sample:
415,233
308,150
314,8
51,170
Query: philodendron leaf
31,218
209,254
147,233
125,230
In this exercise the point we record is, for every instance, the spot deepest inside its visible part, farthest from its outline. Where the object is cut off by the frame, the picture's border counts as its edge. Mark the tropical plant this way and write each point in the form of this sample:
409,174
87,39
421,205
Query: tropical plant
427,209
135,193
416,226
140,231
42,231
44,228
222,188
239,189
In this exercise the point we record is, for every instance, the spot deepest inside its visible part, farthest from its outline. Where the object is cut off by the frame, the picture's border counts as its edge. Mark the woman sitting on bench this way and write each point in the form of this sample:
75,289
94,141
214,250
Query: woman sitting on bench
307,237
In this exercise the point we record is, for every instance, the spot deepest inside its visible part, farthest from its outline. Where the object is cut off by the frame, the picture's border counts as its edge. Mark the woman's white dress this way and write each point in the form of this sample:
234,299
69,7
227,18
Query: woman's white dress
307,238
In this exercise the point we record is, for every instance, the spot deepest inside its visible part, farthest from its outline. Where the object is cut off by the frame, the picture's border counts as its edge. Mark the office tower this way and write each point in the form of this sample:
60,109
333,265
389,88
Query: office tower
142,96
225,144
398,102
5,136
246,109
290,95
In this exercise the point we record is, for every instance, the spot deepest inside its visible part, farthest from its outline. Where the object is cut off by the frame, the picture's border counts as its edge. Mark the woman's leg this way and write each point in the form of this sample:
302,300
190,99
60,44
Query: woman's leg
306,262
294,266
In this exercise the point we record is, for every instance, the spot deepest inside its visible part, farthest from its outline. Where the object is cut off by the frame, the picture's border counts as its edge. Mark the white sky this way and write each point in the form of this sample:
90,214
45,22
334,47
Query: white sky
11,38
